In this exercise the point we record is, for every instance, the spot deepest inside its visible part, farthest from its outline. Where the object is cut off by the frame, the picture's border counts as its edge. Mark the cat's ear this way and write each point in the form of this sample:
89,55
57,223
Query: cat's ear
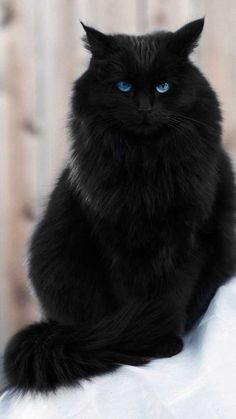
186,38
99,44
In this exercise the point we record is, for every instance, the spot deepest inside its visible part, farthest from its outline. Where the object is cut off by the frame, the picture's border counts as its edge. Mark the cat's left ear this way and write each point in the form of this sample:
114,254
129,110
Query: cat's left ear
99,44
186,38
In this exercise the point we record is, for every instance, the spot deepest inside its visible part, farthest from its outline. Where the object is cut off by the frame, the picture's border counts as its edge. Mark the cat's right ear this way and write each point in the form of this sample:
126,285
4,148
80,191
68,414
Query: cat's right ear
99,44
186,38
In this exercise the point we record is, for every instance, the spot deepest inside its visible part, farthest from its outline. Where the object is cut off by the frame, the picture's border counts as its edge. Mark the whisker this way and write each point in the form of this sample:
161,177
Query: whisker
182,117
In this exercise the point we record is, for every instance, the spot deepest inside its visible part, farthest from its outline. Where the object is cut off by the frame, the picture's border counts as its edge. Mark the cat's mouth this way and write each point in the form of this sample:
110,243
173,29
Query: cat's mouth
145,121
144,125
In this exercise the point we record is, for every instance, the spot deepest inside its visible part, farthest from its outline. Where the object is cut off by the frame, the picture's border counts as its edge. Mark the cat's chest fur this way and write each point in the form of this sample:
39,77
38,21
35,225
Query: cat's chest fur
139,192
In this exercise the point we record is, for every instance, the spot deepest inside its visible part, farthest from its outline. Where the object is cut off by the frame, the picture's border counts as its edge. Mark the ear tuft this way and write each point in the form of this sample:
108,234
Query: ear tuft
97,42
186,38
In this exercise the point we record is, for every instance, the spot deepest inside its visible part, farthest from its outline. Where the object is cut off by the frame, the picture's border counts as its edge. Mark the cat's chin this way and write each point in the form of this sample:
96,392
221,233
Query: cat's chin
144,130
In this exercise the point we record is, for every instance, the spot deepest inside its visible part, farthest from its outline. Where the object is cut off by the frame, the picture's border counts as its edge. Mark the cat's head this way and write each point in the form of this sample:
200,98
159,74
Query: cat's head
140,83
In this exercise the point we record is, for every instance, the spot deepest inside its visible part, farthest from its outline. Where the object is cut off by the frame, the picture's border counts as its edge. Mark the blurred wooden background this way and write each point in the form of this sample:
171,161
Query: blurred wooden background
41,54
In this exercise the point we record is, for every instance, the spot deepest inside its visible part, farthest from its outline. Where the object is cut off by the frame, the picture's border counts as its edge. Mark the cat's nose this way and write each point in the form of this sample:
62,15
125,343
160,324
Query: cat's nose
144,103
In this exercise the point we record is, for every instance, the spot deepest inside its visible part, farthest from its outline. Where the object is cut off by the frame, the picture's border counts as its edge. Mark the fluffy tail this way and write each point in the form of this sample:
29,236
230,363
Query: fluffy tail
47,355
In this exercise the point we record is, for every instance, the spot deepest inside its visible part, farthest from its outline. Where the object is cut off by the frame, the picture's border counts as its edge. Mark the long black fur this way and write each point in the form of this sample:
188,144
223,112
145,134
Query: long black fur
138,233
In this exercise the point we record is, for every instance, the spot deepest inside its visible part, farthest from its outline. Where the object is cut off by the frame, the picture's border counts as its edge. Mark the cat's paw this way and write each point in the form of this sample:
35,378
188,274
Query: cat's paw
169,346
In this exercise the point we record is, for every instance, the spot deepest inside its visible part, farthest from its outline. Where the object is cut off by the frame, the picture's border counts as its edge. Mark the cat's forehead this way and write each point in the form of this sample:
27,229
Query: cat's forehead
142,54
145,48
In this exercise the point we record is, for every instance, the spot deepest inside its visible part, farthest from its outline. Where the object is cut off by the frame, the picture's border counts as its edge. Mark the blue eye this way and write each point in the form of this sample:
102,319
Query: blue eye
163,87
124,86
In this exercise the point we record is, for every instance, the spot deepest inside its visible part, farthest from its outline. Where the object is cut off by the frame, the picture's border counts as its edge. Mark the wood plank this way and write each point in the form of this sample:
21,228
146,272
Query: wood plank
216,60
4,20
19,166
167,14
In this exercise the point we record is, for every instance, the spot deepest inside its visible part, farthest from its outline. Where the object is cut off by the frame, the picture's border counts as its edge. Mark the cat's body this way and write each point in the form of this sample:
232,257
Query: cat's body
139,230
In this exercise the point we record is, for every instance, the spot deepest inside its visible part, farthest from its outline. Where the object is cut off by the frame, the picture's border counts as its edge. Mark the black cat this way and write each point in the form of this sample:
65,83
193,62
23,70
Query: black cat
139,230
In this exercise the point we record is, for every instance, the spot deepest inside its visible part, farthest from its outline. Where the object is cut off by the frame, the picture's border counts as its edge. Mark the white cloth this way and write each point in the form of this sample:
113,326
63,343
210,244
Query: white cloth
198,383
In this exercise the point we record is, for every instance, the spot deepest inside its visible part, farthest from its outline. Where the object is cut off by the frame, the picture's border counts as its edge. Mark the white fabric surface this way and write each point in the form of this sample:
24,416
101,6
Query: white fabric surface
198,383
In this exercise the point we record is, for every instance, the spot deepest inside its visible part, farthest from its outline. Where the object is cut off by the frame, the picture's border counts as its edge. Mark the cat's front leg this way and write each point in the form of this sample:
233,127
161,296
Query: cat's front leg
180,282
172,318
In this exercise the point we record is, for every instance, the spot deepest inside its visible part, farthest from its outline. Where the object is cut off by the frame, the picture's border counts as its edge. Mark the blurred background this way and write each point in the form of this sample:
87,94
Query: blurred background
41,53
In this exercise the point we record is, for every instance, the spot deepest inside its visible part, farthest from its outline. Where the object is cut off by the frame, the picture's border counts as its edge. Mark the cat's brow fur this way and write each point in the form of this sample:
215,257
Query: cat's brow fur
145,49
138,233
